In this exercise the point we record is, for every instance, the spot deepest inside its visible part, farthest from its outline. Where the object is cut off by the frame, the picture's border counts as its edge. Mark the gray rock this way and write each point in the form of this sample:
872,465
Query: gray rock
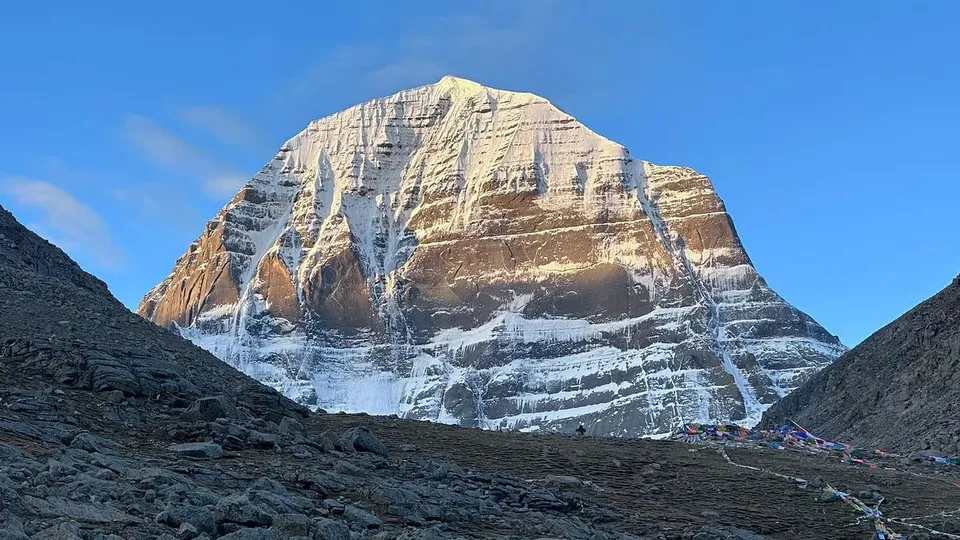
360,517
153,477
392,496
91,443
329,442
725,533
63,531
59,469
562,481
115,397
409,448
433,533
328,529
291,428
362,439
950,525
11,528
252,534
269,485
292,525
442,470
263,440
544,500
238,509
280,503
104,372
209,409
197,450
187,532
324,483
197,516
87,512
830,496
9,453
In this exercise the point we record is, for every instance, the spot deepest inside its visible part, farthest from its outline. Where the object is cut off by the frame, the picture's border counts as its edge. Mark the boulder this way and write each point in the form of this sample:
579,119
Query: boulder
238,509
360,517
252,534
63,531
197,450
263,440
197,516
830,496
562,481
362,439
292,525
209,409
328,529
291,428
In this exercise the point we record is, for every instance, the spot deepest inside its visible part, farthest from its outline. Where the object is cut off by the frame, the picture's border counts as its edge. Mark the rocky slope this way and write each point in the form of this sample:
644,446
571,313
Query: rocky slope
111,427
898,389
476,256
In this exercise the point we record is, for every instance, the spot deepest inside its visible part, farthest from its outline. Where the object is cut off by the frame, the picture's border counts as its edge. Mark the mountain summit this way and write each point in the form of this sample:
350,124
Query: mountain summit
477,256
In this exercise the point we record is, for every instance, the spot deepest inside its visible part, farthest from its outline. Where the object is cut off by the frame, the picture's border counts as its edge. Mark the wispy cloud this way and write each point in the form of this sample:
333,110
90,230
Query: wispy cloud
66,221
340,61
222,123
224,184
158,202
470,46
164,148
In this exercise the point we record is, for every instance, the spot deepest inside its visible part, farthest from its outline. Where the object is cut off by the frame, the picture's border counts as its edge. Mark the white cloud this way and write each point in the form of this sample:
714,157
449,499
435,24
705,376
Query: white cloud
225,125
164,148
224,185
158,202
477,46
159,145
66,221
407,72
332,68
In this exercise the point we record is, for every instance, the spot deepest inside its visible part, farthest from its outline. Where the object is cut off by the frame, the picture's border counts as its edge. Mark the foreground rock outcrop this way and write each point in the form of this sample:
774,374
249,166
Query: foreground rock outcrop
476,256
112,427
899,389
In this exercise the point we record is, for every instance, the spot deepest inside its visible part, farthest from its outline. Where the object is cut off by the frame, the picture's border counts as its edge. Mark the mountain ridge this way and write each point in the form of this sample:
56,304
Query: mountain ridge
896,389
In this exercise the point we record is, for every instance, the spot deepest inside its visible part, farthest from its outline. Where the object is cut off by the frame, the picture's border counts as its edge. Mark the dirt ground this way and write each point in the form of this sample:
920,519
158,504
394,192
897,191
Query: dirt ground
661,487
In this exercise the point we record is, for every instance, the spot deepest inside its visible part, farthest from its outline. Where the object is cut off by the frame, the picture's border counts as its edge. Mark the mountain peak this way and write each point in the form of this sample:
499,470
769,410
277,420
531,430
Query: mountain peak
470,255
451,82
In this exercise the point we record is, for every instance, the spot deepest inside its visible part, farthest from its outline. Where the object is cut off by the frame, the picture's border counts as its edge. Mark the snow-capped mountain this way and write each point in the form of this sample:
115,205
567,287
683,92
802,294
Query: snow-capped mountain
476,256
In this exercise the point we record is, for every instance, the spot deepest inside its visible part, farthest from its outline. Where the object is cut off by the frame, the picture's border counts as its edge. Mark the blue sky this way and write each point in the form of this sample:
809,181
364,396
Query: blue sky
828,128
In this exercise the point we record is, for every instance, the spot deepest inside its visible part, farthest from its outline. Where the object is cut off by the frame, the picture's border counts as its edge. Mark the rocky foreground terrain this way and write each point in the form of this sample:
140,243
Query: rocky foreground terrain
899,389
111,427
474,256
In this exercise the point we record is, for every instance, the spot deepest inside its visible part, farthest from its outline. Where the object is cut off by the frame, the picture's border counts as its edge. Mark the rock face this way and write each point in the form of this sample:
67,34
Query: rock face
476,256
898,389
